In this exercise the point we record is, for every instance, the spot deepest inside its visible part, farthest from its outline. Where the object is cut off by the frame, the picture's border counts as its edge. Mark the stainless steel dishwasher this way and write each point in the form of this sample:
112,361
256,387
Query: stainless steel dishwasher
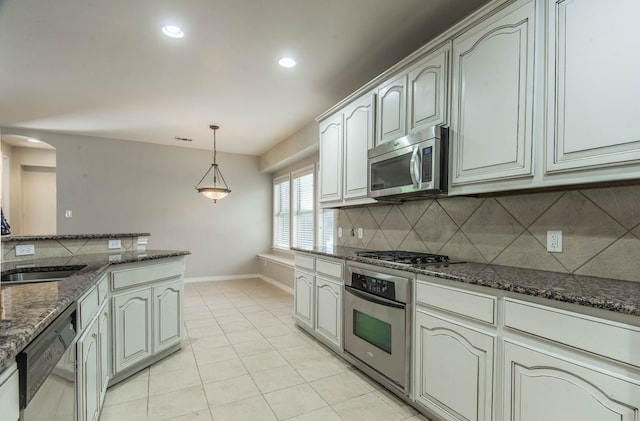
47,371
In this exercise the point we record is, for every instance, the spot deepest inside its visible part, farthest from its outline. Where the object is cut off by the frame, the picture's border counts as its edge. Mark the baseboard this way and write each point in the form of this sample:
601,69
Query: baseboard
238,277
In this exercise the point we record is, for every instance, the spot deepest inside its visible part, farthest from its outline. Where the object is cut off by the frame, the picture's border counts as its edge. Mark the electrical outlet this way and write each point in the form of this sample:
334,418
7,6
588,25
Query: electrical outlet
115,244
339,232
554,241
68,214
360,233
115,257
25,249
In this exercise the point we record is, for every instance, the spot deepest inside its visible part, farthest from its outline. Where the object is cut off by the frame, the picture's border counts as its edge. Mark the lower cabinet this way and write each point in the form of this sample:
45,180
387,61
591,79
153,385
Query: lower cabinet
91,366
147,321
328,304
454,372
303,294
318,287
540,385
132,328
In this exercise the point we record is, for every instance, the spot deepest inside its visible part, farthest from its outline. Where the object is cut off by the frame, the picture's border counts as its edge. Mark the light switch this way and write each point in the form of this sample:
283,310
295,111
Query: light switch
68,214
115,244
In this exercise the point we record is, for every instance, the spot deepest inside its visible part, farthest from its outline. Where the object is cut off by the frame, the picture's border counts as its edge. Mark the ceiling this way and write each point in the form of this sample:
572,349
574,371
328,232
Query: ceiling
103,68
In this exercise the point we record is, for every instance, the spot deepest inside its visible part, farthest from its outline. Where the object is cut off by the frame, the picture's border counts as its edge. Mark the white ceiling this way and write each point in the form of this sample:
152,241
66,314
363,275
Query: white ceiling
103,67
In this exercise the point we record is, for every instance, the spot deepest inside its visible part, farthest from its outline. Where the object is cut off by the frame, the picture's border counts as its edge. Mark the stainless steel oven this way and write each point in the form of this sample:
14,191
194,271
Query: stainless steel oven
377,323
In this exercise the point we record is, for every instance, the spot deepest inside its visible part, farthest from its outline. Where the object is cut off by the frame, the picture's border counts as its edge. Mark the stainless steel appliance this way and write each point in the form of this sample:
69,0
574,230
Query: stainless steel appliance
47,372
412,166
377,323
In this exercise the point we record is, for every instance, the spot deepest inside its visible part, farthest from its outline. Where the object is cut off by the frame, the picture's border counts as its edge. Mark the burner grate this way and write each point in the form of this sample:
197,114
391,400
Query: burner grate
405,257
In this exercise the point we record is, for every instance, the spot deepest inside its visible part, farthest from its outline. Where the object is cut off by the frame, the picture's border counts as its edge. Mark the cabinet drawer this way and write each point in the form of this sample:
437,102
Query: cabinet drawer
465,303
88,307
304,261
141,275
332,269
603,337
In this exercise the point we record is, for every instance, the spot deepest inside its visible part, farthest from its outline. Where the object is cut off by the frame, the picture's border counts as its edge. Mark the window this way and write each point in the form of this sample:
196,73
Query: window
294,210
281,212
302,217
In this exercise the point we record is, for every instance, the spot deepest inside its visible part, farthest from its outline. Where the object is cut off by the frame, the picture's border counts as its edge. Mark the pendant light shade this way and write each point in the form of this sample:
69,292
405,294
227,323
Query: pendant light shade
218,189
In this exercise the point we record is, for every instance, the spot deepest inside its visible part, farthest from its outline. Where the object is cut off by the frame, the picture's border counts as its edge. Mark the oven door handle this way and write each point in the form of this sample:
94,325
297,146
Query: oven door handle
373,298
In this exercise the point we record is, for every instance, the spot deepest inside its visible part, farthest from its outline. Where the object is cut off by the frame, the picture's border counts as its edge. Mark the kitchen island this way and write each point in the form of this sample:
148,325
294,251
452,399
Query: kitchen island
125,304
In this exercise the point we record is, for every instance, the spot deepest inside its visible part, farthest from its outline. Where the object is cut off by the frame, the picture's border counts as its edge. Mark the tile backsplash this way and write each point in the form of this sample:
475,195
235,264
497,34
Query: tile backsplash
600,227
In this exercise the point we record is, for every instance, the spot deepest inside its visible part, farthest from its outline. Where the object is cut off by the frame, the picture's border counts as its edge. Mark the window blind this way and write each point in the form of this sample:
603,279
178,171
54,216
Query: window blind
303,210
281,213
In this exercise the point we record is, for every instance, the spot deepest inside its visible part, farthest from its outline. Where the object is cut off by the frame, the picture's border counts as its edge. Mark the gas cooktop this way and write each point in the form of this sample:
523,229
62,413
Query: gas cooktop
406,257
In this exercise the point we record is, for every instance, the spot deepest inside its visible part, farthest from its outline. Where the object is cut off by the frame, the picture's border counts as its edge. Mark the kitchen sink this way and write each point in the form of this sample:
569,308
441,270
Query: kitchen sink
39,276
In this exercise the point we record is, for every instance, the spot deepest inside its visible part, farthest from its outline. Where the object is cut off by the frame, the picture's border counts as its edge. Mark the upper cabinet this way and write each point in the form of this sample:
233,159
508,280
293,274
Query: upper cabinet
331,159
391,109
345,138
492,101
415,99
428,86
593,85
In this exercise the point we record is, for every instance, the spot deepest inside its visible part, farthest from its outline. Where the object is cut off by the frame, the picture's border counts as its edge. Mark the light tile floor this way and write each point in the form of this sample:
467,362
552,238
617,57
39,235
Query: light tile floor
244,359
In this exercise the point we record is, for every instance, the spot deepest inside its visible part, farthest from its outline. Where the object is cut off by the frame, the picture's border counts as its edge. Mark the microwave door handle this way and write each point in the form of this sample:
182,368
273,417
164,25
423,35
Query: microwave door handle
416,174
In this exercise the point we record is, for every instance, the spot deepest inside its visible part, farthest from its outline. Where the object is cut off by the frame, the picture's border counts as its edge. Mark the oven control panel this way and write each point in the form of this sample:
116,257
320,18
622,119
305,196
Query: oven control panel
374,285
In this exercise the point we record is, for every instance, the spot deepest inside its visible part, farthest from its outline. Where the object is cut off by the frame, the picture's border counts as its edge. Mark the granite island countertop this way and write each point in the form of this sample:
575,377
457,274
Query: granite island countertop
27,309
601,293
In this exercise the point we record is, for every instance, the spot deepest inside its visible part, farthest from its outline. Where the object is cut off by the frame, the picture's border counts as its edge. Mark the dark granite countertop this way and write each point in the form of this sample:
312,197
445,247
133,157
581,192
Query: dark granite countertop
602,293
26,309
17,238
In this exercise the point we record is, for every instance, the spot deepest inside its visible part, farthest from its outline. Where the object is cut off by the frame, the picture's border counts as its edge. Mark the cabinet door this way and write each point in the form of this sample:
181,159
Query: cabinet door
542,386
593,102
492,103
454,369
167,315
328,300
391,107
303,298
132,328
88,373
331,159
358,139
104,350
428,87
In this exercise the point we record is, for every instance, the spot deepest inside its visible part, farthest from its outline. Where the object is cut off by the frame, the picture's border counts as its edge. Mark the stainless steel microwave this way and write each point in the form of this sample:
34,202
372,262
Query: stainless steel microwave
412,166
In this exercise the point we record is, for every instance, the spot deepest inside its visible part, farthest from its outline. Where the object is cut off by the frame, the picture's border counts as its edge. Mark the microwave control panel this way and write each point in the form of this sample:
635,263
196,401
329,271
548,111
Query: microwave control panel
427,165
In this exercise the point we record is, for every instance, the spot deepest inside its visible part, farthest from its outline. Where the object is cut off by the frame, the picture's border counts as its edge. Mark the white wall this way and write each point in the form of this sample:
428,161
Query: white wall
117,186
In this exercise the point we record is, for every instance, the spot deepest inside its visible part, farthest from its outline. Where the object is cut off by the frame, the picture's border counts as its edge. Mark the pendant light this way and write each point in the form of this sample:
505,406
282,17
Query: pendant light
219,189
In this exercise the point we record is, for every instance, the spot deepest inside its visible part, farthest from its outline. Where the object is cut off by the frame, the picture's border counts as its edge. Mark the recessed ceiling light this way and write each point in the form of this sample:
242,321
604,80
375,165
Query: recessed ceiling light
287,62
172,31
32,140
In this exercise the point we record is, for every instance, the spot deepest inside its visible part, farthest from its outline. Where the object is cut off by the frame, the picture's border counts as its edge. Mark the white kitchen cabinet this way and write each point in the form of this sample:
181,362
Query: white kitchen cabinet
331,159
391,108
492,101
318,284
303,298
345,138
328,306
132,328
9,394
358,139
88,372
541,385
428,88
148,314
593,85
454,367
168,315
92,352
105,349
